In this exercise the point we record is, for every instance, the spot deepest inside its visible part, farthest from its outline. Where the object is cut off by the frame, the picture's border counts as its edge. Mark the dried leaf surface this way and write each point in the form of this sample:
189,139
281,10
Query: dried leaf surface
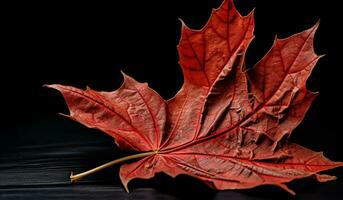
226,126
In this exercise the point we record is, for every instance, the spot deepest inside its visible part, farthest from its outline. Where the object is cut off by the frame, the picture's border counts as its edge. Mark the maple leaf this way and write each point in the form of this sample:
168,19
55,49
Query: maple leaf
227,126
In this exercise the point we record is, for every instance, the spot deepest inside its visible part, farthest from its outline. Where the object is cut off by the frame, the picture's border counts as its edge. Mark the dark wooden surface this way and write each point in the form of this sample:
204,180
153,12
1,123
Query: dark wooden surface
36,160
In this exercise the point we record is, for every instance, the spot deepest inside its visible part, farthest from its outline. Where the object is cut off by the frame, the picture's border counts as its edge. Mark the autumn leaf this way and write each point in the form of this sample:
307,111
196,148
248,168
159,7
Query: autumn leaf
227,126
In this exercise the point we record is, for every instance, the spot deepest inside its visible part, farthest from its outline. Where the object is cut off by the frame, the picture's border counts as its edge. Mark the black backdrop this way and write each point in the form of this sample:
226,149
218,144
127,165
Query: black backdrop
87,44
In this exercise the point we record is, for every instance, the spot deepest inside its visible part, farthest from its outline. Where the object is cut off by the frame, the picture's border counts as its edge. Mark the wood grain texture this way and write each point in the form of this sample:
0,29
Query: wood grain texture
37,166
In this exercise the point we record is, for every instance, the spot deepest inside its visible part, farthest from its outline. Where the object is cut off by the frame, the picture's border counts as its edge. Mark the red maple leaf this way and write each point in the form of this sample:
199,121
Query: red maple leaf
226,126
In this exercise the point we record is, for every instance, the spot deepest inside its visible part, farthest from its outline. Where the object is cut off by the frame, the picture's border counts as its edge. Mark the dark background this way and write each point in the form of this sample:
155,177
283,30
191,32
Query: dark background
87,44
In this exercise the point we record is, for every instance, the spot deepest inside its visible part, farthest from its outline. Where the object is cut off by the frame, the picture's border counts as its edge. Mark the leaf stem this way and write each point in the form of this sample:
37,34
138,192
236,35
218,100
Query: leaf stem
75,178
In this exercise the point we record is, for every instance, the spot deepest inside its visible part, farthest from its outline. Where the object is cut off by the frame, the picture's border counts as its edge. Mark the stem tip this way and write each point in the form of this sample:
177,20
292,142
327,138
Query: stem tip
73,179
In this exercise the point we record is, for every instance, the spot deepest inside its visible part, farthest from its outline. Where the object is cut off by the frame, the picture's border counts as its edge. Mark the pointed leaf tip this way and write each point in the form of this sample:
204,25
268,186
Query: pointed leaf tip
54,86
325,178
286,188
